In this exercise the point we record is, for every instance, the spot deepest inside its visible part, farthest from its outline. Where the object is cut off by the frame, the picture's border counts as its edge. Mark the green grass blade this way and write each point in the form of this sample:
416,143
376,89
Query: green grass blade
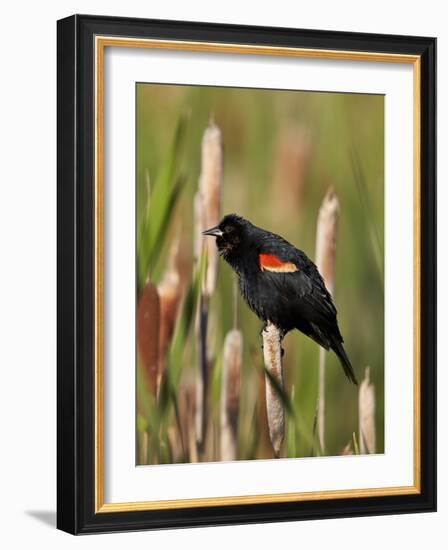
160,207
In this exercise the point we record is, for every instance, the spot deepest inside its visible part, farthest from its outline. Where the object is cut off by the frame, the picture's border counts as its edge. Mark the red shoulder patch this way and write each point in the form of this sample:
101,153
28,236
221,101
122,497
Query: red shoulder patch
269,262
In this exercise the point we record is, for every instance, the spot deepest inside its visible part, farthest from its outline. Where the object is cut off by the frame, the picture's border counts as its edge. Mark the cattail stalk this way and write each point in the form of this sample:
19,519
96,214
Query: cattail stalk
230,394
325,260
272,352
367,433
207,209
210,190
202,378
148,319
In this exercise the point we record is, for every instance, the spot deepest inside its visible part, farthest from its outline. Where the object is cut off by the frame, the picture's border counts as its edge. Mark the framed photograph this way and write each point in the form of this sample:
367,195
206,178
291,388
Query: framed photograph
246,274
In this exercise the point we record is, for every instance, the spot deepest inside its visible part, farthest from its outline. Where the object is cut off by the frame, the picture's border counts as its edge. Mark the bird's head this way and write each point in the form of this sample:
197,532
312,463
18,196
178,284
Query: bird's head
232,234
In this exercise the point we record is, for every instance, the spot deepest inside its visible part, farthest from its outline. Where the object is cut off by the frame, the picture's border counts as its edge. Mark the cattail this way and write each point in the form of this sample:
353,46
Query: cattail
367,434
148,319
325,260
207,209
199,227
326,237
272,352
230,393
169,291
210,189
292,152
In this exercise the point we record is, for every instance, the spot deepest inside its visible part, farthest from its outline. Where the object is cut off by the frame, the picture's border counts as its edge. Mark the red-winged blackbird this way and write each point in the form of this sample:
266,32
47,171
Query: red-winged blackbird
280,283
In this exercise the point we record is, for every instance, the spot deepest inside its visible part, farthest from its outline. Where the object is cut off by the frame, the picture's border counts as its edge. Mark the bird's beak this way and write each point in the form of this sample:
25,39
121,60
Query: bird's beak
213,232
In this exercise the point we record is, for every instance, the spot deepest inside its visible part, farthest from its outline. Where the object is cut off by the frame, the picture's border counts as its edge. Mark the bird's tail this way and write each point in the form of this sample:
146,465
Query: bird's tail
338,348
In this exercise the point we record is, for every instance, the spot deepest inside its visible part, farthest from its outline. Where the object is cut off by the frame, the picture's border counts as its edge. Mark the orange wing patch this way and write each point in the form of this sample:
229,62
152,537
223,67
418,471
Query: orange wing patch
269,262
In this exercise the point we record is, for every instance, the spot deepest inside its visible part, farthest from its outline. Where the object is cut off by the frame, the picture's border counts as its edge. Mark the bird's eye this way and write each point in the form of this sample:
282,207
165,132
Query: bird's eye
228,229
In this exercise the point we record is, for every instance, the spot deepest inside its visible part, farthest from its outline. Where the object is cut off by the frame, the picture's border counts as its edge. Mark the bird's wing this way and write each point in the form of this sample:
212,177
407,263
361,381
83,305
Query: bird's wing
295,276
274,264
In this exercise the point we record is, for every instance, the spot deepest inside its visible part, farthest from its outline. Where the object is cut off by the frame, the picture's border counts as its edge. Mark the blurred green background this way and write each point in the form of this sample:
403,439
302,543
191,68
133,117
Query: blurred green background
282,151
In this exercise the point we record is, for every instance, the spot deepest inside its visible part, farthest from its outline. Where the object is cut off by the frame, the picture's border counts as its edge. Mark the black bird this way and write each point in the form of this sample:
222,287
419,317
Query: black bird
280,283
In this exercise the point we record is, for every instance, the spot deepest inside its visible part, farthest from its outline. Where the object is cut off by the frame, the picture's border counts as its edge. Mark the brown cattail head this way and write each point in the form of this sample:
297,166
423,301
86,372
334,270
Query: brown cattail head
230,394
272,352
326,237
367,434
210,191
148,319
291,158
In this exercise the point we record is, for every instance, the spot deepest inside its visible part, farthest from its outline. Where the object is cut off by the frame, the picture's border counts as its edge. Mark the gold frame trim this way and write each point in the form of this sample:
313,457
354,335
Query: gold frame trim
101,42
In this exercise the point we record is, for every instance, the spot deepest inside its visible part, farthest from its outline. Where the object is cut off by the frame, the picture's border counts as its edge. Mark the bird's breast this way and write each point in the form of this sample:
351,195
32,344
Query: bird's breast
267,300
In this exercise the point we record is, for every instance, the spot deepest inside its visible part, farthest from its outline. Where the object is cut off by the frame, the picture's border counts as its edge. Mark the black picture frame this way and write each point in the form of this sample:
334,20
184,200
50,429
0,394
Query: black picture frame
76,272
